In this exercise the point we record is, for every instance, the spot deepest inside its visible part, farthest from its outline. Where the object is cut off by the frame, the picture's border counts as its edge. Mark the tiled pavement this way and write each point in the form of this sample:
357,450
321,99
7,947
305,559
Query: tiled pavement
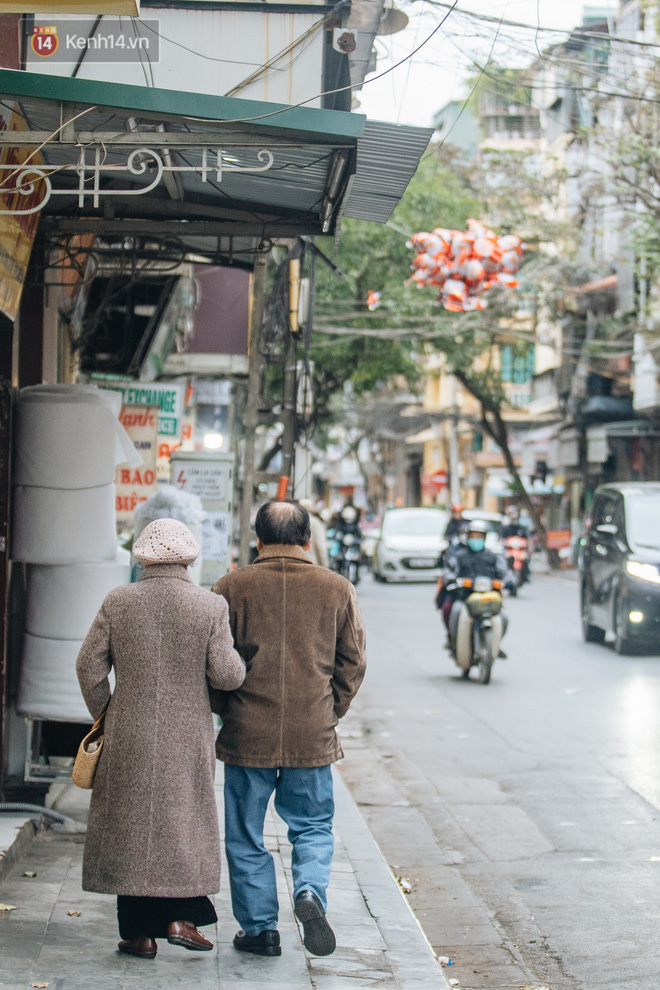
379,942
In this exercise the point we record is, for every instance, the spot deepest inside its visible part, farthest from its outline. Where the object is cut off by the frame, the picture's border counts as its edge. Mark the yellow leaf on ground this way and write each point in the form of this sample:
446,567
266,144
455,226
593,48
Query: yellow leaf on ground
7,907
40,985
74,914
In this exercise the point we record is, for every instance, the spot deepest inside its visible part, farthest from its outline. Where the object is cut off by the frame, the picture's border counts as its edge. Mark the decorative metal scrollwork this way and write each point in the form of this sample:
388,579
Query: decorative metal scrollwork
28,177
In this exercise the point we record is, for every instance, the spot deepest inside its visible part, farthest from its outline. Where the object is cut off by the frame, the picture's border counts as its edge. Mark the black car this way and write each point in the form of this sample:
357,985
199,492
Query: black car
621,566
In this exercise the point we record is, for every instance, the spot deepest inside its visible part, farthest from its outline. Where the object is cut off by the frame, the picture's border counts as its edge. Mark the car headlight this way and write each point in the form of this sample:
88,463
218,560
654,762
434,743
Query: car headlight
647,572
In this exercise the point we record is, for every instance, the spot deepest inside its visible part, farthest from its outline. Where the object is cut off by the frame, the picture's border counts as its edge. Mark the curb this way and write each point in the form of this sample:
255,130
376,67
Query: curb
24,839
414,963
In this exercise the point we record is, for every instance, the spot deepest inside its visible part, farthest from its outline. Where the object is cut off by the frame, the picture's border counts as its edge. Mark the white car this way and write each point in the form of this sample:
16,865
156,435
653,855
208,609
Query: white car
410,545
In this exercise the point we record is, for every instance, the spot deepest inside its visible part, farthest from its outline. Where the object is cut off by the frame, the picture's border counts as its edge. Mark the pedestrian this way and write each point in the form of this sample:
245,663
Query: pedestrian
299,629
318,550
152,836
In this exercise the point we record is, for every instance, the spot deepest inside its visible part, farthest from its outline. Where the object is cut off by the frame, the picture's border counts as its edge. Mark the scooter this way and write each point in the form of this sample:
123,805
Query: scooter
516,549
350,557
344,554
476,625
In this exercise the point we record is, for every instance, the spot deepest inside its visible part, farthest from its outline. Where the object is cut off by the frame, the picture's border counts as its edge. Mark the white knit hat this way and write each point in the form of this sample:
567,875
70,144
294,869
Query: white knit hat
166,541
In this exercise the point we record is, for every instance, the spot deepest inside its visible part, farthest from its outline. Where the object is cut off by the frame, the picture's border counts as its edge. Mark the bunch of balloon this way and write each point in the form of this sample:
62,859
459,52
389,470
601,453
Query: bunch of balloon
465,265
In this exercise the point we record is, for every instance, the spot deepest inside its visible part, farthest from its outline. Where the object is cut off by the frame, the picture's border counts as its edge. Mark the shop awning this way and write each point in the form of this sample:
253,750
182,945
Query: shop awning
130,160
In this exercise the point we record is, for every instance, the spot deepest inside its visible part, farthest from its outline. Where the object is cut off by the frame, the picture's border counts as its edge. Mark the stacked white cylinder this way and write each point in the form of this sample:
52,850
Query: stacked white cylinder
68,441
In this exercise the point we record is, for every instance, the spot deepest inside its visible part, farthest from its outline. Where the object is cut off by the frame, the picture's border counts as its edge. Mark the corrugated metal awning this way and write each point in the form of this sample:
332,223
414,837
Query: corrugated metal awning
387,158
285,171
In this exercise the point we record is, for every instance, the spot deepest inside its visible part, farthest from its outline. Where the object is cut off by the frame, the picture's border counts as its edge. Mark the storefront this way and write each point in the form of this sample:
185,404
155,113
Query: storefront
134,184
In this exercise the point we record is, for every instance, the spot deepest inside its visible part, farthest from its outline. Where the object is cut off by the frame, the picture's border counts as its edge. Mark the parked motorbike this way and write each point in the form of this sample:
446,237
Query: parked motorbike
476,625
344,554
516,550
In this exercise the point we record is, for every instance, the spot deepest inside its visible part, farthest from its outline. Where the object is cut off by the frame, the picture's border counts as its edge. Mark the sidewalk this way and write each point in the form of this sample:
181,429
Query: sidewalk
379,943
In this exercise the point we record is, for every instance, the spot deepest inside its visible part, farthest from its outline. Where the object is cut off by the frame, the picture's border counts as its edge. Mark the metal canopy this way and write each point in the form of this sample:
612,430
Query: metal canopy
127,160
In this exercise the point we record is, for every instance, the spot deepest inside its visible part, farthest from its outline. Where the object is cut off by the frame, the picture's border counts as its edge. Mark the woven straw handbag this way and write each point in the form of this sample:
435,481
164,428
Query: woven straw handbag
89,753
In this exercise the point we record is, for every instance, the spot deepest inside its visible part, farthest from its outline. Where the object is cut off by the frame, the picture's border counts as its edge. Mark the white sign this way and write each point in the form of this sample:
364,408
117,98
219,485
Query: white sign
208,479
168,398
215,536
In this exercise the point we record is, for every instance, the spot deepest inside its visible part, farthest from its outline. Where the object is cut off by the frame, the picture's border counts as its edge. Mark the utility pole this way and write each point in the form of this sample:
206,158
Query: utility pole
290,369
252,405
454,480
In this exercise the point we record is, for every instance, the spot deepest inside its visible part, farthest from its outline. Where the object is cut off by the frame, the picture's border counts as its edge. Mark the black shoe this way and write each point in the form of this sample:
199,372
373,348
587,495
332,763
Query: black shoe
502,655
264,944
318,936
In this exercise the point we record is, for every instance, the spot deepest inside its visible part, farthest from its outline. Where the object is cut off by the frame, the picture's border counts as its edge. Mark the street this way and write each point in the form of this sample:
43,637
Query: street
524,813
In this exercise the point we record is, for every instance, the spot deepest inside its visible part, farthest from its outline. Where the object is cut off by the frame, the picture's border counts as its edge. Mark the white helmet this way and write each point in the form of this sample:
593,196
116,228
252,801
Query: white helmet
477,526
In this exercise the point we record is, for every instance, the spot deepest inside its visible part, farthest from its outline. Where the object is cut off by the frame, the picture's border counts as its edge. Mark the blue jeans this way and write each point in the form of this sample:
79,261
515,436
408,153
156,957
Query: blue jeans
304,800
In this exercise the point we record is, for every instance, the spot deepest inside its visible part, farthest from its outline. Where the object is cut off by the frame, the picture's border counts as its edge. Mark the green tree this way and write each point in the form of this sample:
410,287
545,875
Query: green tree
368,348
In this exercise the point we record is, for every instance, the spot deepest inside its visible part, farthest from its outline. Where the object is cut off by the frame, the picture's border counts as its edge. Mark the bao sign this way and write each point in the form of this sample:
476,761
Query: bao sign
134,485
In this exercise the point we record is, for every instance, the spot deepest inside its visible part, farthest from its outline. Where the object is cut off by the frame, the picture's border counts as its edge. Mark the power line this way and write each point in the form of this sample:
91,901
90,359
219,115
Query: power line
574,32
330,92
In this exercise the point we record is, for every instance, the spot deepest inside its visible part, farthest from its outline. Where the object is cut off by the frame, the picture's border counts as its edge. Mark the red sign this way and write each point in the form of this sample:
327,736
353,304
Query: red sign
557,539
434,483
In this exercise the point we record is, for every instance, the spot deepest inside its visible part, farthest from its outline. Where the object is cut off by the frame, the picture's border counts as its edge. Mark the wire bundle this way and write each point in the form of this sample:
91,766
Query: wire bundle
465,264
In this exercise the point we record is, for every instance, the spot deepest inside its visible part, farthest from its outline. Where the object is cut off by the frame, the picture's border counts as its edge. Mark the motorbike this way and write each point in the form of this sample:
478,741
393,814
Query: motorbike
516,549
476,625
344,554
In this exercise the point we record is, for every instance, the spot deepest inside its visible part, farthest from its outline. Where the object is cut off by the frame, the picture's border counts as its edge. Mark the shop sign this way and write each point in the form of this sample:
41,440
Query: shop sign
134,485
169,400
17,227
557,539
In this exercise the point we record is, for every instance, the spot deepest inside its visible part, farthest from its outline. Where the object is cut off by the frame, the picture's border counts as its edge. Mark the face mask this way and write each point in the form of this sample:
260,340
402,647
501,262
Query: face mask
476,543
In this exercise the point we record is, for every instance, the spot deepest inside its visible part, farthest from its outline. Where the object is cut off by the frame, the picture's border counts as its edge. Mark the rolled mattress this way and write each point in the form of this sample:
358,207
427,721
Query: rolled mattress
68,436
48,687
52,526
62,600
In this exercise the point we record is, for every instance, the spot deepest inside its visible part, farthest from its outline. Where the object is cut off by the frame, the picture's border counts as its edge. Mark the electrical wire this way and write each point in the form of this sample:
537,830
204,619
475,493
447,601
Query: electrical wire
329,92
468,97
576,32
47,141
311,31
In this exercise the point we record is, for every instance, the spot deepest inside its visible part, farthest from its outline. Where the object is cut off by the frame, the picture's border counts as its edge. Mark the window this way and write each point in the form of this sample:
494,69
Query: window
517,364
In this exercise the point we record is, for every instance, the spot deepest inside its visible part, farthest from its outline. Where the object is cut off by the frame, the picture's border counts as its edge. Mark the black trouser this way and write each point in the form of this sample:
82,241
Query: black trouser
150,916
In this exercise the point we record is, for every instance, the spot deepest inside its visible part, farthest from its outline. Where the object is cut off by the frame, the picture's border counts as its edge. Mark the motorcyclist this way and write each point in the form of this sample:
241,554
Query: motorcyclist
456,523
471,560
514,527
348,520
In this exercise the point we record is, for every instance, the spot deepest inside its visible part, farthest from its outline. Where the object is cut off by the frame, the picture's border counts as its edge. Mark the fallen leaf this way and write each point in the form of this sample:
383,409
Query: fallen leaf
40,985
7,907
74,914
30,873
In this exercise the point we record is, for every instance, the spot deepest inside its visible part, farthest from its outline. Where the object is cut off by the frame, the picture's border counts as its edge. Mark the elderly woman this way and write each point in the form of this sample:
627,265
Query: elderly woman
153,837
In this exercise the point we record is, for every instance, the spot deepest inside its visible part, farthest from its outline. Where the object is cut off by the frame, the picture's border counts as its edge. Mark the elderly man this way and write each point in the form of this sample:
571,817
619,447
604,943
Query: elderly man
298,628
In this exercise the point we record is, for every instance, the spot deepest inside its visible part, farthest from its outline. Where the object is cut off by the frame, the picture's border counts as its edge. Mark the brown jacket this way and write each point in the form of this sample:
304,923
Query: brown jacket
298,627
153,823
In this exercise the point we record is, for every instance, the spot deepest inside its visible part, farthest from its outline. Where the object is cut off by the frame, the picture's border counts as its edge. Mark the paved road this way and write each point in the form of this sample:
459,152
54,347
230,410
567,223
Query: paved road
526,813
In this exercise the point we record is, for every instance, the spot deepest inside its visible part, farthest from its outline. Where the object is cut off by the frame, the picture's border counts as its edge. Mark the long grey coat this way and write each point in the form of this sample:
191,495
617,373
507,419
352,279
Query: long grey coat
153,825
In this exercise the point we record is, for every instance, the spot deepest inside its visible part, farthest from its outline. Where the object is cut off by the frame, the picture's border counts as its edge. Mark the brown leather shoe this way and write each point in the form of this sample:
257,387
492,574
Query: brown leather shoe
184,933
142,947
